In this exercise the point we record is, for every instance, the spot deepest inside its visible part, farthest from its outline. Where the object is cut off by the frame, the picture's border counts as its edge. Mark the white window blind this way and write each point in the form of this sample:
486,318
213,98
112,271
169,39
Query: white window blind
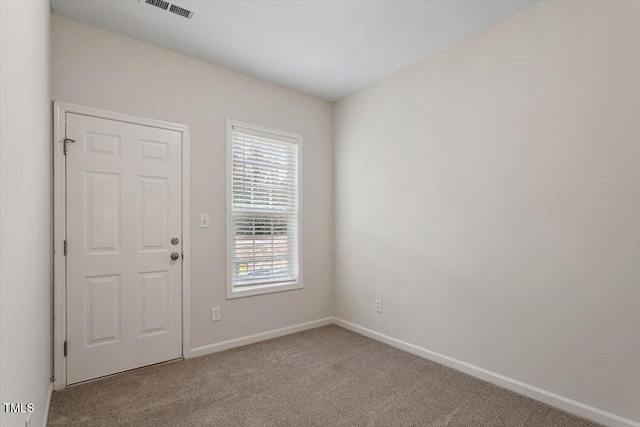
264,208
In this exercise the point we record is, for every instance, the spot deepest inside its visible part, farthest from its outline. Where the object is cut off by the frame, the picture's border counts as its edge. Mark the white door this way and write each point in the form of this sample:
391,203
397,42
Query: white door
123,210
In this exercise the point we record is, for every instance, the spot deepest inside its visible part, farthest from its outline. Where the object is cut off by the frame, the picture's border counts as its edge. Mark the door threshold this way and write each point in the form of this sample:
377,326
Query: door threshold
104,377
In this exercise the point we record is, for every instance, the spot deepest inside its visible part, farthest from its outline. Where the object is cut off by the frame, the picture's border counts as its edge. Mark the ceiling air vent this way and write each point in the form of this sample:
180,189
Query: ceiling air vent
185,13
158,3
170,6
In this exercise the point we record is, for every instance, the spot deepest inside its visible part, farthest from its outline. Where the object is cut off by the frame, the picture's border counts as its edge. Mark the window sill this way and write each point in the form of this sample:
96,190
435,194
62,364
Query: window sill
263,289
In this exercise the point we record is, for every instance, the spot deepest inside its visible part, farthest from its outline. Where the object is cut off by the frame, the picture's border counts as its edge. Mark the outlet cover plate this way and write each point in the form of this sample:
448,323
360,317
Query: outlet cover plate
379,305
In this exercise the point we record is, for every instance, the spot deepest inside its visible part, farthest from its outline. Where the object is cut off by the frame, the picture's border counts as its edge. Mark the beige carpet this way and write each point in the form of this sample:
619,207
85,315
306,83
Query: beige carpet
323,377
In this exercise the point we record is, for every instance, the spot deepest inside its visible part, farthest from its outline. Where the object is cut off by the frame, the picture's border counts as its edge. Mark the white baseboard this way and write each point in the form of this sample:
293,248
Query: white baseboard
250,339
45,419
547,397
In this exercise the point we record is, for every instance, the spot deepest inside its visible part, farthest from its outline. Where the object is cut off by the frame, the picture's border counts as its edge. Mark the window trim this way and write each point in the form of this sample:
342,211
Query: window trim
269,287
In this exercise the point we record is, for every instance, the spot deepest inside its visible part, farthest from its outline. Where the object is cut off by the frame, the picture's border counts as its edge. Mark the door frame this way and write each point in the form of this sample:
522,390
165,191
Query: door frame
60,109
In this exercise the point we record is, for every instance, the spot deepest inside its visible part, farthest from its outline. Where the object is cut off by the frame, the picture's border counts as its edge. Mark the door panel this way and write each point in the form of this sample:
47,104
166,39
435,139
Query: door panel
154,221
123,208
102,197
102,310
154,297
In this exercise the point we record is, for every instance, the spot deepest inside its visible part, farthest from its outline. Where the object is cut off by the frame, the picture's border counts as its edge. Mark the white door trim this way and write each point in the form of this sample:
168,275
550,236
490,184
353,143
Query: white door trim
60,109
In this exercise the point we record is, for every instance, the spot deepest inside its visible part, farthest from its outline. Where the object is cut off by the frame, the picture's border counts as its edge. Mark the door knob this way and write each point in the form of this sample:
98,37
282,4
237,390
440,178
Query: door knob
175,241
175,256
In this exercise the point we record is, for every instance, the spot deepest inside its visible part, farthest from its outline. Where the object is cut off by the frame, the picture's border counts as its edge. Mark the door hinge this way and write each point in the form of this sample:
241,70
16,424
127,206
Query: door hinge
64,248
65,349
67,141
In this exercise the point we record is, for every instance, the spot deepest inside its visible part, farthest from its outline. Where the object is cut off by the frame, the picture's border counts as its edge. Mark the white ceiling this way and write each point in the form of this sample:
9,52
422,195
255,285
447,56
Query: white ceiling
328,49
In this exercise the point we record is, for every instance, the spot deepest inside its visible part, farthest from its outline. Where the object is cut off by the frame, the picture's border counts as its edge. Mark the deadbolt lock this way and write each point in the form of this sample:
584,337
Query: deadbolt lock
175,241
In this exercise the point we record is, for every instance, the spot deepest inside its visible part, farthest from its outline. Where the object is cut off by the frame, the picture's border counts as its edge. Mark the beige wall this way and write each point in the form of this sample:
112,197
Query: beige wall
25,209
100,69
490,196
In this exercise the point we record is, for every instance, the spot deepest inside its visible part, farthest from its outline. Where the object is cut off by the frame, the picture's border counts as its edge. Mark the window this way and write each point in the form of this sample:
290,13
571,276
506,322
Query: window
263,210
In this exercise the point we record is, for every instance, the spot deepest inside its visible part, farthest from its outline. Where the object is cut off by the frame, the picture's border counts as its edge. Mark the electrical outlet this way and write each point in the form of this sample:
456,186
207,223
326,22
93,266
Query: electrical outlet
215,314
204,220
379,305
